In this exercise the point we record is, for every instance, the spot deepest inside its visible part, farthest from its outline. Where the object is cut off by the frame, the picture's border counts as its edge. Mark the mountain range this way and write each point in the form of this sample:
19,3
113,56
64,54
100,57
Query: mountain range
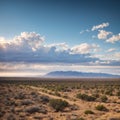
75,74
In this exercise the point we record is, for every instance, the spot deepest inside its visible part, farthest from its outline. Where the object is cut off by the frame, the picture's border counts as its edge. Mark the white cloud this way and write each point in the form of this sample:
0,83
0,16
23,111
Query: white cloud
59,46
84,48
103,34
30,47
100,26
29,41
114,38
111,50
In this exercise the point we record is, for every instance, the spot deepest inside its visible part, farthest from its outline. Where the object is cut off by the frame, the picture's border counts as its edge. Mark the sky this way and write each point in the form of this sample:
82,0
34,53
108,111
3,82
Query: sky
40,36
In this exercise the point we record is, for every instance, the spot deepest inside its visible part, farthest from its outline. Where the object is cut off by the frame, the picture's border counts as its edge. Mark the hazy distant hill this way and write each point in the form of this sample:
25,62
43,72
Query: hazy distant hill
76,74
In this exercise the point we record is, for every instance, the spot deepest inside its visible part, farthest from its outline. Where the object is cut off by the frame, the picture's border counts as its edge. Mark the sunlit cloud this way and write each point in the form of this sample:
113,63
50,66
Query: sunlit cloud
100,26
84,48
26,41
30,47
103,34
114,38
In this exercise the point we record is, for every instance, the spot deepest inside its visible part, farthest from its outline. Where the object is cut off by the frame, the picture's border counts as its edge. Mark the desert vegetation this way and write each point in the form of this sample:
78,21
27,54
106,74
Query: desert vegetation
59,100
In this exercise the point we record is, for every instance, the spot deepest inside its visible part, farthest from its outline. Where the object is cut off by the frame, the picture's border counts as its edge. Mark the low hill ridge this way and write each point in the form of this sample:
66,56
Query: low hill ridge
76,74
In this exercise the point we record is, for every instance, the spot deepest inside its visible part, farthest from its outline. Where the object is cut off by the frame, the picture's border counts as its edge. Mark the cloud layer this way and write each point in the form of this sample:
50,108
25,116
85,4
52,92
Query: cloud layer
103,34
30,47
114,38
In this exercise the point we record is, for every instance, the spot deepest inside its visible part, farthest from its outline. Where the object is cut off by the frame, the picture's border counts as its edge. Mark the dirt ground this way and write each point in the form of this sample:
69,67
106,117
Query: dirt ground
31,101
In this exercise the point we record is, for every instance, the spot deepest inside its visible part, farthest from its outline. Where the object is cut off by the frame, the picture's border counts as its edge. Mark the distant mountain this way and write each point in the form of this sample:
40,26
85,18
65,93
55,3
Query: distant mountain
75,74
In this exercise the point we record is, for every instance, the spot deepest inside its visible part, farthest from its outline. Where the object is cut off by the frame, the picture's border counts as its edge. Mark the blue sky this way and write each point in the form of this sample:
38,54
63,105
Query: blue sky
69,33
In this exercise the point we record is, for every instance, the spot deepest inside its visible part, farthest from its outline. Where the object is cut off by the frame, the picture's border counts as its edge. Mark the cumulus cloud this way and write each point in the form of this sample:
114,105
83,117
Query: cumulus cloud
103,34
29,41
103,25
59,46
114,38
84,48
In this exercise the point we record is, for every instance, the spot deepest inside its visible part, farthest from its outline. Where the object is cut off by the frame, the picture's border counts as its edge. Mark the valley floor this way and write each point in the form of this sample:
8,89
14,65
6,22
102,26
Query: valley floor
86,100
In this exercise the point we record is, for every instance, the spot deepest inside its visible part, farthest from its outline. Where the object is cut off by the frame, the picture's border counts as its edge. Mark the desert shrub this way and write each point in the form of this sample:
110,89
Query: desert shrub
118,93
2,113
81,118
101,108
11,117
9,103
26,102
89,112
44,99
104,98
32,109
96,95
109,92
33,93
74,107
20,96
85,97
102,91
58,104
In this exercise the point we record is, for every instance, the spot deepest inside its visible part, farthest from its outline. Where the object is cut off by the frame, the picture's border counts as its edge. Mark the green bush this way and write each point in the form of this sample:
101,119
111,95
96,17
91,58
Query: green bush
101,108
85,97
104,98
58,104
89,112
